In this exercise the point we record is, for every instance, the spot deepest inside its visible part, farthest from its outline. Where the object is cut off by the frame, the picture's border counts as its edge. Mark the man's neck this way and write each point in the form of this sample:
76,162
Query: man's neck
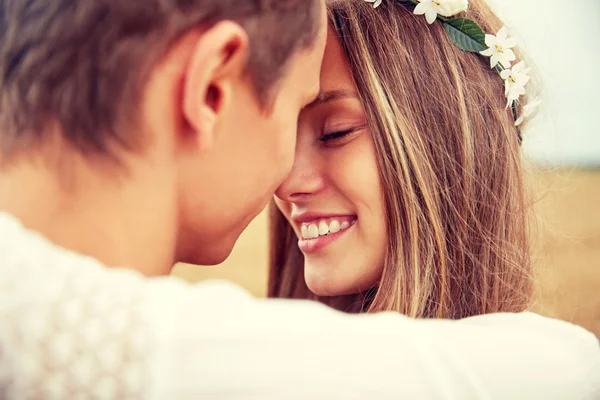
120,224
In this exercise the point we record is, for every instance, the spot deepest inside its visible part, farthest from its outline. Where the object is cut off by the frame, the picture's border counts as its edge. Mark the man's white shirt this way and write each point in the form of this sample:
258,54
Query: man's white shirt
71,327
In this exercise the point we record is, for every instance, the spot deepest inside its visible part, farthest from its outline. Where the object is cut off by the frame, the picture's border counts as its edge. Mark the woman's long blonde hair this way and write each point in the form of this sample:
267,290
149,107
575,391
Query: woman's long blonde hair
450,162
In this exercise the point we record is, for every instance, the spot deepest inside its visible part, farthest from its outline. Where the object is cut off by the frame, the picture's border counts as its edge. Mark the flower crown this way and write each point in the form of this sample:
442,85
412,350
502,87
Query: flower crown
468,36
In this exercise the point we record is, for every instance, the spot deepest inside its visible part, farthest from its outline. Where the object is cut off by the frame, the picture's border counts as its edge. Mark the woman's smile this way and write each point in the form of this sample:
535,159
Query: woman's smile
317,233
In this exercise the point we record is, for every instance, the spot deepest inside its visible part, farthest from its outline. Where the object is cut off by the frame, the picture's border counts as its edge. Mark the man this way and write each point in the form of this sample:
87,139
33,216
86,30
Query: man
140,133
182,106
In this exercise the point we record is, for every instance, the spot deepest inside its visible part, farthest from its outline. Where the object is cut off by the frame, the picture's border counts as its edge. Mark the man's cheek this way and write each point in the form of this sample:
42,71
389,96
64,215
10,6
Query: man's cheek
285,152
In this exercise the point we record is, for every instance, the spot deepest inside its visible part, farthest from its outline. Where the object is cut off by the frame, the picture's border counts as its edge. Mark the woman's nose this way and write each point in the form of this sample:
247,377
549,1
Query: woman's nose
306,177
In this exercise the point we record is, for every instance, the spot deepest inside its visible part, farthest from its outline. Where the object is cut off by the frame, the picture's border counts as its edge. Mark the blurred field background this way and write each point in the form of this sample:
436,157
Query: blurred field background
566,248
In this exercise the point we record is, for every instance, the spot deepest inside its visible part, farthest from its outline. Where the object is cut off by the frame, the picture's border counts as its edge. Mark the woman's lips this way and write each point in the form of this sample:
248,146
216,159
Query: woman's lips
320,232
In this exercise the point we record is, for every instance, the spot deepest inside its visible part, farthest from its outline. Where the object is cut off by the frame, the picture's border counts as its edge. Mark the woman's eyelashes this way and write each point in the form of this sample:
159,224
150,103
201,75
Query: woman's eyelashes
340,136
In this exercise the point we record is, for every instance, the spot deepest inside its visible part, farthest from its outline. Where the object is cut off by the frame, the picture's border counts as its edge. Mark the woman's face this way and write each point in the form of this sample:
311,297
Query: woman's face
333,197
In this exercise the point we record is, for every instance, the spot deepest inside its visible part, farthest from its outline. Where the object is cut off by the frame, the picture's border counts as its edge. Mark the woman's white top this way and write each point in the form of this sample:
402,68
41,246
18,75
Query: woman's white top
70,328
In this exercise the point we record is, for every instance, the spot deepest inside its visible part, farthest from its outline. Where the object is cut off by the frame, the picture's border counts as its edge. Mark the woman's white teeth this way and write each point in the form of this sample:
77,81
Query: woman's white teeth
334,226
304,231
323,228
313,231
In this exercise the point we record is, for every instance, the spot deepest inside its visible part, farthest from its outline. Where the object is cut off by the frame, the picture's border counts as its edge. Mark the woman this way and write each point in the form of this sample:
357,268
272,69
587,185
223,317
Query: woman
407,193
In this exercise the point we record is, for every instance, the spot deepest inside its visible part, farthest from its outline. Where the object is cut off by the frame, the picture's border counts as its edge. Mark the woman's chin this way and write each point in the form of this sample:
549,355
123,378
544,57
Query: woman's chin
321,286
329,284
329,288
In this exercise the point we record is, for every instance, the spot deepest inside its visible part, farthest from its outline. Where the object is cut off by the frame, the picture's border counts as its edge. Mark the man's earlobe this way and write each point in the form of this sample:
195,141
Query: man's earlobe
216,65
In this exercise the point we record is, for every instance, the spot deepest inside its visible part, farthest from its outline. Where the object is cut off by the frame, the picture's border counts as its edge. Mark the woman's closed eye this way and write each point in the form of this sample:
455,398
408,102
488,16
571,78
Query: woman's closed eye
341,136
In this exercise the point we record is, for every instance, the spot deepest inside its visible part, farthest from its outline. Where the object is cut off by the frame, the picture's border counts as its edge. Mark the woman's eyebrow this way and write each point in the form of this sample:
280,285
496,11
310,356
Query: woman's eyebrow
332,95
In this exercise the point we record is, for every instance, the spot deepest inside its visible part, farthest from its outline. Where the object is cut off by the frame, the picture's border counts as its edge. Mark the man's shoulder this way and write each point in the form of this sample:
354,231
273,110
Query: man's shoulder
28,252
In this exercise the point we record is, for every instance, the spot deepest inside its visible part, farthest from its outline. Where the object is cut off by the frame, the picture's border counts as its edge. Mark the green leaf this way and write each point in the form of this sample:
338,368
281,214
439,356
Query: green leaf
466,34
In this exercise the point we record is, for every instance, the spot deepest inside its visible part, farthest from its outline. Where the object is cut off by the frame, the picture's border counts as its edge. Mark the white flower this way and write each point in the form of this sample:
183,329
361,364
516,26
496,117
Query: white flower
376,3
446,8
515,80
527,111
499,48
431,9
457,6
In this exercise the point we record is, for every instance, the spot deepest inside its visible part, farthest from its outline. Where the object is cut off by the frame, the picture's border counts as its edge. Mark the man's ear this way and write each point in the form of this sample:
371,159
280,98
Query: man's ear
218,60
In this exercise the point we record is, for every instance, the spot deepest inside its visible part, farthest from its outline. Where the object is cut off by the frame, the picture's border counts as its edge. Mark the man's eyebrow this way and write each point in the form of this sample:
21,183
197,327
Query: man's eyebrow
332,95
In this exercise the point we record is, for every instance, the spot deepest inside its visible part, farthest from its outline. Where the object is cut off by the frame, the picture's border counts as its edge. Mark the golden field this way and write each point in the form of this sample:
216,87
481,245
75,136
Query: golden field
566,234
